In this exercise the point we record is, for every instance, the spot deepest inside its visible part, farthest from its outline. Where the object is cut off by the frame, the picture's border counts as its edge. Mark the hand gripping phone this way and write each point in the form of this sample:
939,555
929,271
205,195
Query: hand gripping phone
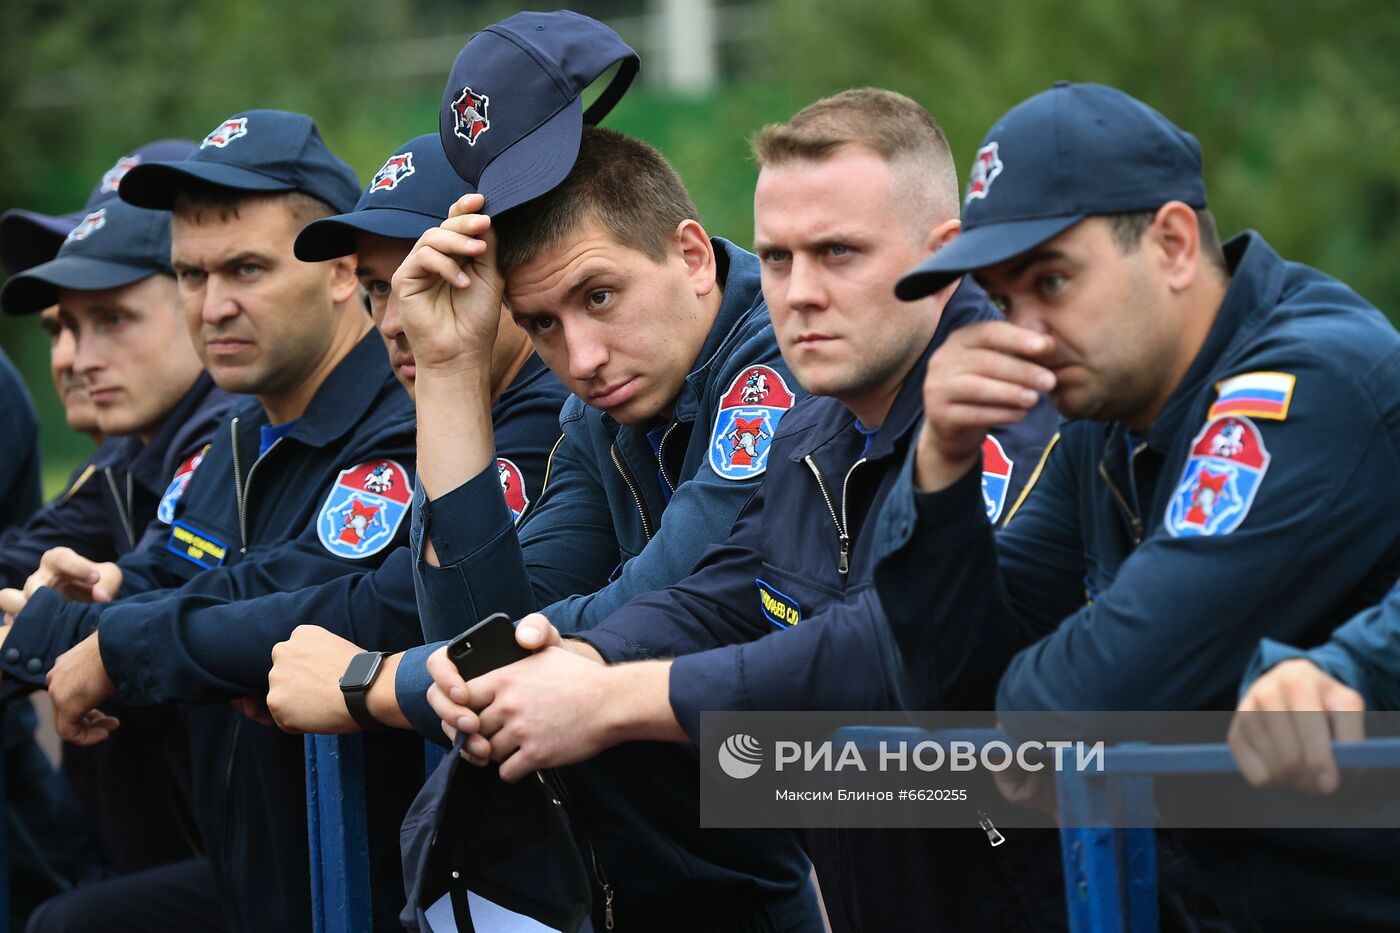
485,646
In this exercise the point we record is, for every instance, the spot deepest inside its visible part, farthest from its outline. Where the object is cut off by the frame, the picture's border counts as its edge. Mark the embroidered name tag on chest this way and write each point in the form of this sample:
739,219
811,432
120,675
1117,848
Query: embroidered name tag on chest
777,607
196,546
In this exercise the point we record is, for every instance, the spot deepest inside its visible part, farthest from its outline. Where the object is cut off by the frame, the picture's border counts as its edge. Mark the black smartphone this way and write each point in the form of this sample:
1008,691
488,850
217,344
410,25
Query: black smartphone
485,646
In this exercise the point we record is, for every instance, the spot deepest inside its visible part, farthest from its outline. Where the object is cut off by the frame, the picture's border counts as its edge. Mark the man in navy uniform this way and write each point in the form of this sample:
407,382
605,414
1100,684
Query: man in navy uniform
782,614
1236,431
308,481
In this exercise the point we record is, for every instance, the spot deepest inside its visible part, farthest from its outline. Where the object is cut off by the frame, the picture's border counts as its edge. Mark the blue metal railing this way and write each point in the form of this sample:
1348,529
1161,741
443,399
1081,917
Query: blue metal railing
337,833
1110,874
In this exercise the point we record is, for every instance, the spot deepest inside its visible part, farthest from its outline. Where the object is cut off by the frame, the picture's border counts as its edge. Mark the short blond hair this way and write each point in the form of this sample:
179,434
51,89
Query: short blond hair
893,126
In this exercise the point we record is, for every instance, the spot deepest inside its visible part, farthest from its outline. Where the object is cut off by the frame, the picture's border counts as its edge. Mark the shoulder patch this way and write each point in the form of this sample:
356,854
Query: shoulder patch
513,486
748,417
1223,471
996,477
364,509
1257,395
165,511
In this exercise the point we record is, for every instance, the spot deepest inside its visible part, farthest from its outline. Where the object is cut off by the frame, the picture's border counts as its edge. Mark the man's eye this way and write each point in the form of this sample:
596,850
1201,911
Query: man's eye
1050,283
540,325
378,289
248,270
190,276
839,249
600,299
776,256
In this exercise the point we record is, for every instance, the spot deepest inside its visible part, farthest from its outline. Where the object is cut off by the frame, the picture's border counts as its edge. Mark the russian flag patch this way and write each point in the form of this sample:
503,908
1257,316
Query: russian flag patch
1254,395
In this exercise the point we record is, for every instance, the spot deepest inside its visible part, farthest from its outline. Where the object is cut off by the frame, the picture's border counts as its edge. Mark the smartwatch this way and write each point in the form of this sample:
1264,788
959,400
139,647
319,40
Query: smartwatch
354,686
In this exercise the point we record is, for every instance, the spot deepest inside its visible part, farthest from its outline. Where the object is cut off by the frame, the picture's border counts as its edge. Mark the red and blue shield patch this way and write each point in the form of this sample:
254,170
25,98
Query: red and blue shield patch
513,487
395,170
364,509
996,477
165,511
1221,478
748,417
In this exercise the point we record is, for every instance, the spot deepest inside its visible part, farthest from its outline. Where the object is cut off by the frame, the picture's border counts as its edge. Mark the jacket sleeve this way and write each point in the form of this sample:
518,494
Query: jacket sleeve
74,519
1364,654
218,650
1183,615
941,573
152,616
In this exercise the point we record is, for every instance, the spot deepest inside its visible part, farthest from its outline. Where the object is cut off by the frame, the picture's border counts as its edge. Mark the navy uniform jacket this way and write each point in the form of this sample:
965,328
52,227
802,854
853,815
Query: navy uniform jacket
249,525
1364,654
191,658
596,537
20,488
1149,579
139,811
770,620
603,507
76,519
145,480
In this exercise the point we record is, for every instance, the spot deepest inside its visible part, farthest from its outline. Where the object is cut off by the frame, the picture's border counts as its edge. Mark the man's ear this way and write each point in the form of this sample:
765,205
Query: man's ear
1175,238
698,253
942,234
344,283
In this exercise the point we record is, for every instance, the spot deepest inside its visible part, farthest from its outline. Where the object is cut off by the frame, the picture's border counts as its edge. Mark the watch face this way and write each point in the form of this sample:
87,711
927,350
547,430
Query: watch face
361,671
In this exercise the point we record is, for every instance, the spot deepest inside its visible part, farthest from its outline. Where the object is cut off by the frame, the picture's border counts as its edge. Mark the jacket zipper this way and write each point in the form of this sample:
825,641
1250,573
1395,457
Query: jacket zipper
843,562
661,457
636,493
241,486
1134,522
240,489
598,875
994,835
123,507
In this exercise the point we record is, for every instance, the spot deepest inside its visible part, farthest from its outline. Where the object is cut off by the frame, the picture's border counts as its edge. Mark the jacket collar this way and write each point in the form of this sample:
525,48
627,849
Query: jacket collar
1257,274
967,305
738,279
147,464
343,399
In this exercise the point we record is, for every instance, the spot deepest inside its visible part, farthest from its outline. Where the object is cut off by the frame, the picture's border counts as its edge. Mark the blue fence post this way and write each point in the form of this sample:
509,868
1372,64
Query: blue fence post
337,835
4,836
1089,848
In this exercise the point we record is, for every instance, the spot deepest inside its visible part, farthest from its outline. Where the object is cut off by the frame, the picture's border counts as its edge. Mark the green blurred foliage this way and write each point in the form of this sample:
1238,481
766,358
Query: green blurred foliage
1295,103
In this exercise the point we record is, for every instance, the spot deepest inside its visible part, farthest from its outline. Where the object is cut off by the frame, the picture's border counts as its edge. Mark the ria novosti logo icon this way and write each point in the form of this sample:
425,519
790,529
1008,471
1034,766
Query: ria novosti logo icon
740,756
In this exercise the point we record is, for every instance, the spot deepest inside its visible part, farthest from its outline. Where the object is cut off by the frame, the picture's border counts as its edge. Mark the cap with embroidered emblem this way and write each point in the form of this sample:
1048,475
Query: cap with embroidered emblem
258,151
512,111
1071,152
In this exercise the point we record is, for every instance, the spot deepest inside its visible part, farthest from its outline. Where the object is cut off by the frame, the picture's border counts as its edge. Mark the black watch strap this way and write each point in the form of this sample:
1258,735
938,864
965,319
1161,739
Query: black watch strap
357,696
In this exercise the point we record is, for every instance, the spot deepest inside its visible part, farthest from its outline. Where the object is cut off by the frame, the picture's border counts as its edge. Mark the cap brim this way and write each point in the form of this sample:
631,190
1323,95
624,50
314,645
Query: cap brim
28,238
333,237
535,164
37,289
979,248
154,184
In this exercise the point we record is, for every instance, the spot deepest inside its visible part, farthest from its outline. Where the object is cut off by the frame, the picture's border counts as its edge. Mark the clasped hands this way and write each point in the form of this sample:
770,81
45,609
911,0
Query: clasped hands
547,710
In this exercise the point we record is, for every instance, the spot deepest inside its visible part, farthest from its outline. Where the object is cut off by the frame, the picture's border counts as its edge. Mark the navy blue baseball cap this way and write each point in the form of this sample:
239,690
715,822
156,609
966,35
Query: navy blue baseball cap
412,193
115,245
1065,154
28,238
512,111
256,151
